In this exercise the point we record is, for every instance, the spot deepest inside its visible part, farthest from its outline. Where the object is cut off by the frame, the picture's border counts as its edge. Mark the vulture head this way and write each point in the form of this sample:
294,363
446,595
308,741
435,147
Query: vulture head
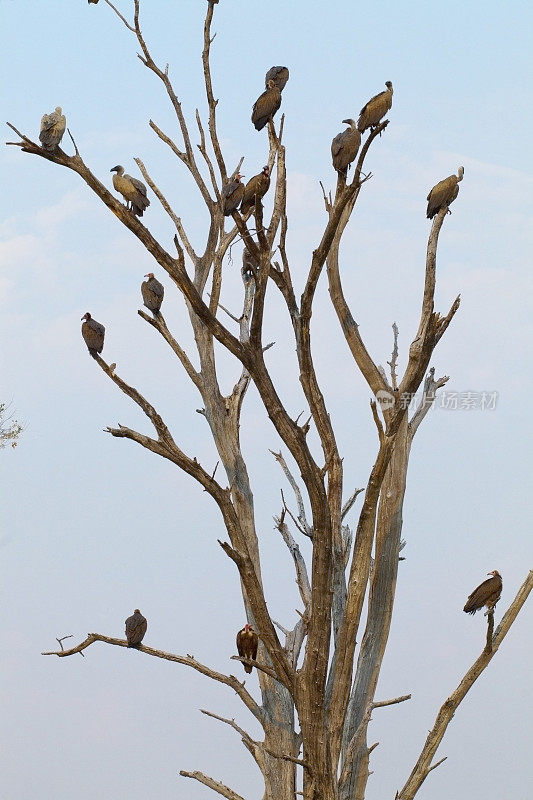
247,627
149,275
388,84
86,317
118,169
460,173
58,110
238,176
495,573
349,122
136,611
266,171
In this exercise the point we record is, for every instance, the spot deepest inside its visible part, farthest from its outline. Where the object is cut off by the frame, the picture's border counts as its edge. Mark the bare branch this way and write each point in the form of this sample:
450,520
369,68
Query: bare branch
232,724
257,664
350,501
117,12
382,703
302,578
394,358
428,398
158,322
302,518
225,791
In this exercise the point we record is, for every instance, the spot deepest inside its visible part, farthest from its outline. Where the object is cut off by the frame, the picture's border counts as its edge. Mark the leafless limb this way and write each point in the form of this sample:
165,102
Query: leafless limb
297,494
302,578
257,664
231,723
119,15
350,501
394,358
225,791
382,703
158,322
428,398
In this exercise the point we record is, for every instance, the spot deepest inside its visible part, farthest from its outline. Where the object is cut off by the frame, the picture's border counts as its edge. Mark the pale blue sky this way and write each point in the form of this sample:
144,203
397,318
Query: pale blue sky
95,527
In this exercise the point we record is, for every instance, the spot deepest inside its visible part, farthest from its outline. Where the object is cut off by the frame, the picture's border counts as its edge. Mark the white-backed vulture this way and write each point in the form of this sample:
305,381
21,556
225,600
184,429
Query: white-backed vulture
93,333
280,76
444,193
266,105
344,147
132,190
375,109
247,642
232,194
487,594
136,626
256,187
52,129
153,292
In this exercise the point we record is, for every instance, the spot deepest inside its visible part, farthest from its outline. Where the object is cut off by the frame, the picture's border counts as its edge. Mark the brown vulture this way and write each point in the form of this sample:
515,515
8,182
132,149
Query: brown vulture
280,76
249,265
256,187
487,594
232,194
93,1
344,147
152,292
135,628
52,129
247,645
266,105
132,190
93,333
375,109
444,193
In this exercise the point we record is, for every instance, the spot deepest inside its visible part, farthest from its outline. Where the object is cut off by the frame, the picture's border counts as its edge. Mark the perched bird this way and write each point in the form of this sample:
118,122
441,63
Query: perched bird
132,190
152,292
375,109
247,645
249,265
135,628
444,193
232,194
280,76
52,129
487,594
256,187
93,1
344,147
266,105
93,333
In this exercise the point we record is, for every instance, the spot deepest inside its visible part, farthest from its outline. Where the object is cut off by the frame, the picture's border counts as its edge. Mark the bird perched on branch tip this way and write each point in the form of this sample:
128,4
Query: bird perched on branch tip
487,594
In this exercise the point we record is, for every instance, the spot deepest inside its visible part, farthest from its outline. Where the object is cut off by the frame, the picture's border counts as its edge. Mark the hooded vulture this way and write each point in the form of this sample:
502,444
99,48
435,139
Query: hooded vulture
52,129
375,109
132,190
136,626
266,105
93,333
487,594
247,645
280,76
152,292
232,194
249,265
256,187
444,193
344,147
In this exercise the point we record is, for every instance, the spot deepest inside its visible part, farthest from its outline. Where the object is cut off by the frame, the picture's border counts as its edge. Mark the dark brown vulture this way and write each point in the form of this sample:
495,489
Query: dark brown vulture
444,193
93,333
93,1
266,106
280,76
52,129
256,187
247,645
135,628
249,265
487,594
152,292
232,194
344,147
132,190
375,109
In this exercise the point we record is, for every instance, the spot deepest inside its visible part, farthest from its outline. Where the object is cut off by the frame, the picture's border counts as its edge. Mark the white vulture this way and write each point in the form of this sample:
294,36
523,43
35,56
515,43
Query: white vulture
52,129
132,190
444,193
375,109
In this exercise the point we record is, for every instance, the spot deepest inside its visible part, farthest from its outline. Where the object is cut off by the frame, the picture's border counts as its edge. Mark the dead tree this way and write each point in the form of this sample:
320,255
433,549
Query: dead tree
317,693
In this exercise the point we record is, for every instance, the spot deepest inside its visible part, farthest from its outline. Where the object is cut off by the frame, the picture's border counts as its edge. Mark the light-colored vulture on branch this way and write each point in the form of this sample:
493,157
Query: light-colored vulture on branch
375,109
487,594
152,292
256,187
136,626
280,76
93,333
444,193
52,129
266,105
344,147
232,194
247,642
132,190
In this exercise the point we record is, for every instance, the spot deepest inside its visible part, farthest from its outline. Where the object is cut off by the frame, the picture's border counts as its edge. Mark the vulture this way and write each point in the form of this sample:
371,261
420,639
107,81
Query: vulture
93,1
487,594
344,147
247,645
256,187
135,628
266,105
232,194
279,75
93,333
249,265
375,109
444,193
52,129
152,292
132,190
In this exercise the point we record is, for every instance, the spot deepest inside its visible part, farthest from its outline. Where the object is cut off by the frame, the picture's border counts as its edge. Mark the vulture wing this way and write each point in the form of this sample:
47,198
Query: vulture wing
247,642
232,193
374,110
256,186
442,194
136,626
93,333
152,293
487,594
265,107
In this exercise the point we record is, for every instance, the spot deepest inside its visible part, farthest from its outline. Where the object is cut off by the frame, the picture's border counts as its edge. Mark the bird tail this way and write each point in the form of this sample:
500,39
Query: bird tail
470,609
247,667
